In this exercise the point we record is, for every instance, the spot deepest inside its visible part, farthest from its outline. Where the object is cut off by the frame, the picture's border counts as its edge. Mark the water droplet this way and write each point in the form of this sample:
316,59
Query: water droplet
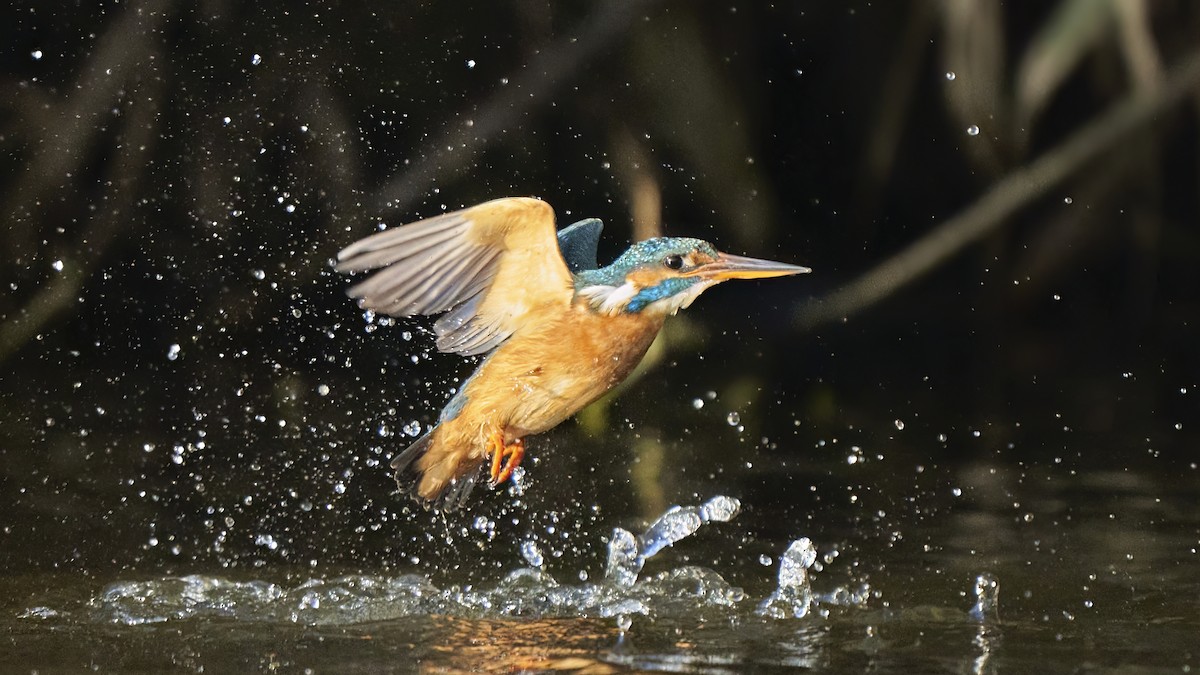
256,59
950,75
697,403
470,63
1068,201
899,425
323,389
173,352
259,274
57,265
413,428
733,419
972,130
531,553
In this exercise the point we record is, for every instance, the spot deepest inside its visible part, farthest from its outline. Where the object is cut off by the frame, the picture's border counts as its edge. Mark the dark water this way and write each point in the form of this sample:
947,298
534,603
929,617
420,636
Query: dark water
973,567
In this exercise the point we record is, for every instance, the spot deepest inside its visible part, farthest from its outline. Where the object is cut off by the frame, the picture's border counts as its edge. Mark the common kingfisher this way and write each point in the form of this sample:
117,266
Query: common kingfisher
557,329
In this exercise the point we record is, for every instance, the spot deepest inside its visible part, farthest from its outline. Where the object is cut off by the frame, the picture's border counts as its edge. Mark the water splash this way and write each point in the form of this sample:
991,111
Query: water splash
793,597
987,598
532,553
627,554
526,592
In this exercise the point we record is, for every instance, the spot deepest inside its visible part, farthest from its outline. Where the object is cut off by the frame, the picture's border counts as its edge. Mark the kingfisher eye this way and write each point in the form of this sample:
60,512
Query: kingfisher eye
674,262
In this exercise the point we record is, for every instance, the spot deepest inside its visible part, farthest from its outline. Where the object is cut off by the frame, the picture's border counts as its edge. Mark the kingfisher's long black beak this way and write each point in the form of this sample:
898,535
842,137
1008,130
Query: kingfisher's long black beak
729,266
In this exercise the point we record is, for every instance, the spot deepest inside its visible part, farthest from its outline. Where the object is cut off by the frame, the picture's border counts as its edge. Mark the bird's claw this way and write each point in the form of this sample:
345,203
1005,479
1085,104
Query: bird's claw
505,458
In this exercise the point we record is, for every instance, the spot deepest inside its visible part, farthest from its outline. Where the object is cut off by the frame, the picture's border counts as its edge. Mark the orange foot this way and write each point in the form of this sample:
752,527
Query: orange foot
501,469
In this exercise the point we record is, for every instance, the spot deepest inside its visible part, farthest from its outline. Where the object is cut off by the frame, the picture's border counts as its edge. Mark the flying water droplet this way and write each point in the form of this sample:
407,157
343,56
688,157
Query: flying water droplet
267,541
733,419
950,75
532,553
972,130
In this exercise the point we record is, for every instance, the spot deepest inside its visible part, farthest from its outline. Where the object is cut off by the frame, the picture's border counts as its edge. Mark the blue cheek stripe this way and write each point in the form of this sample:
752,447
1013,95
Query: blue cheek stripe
664,289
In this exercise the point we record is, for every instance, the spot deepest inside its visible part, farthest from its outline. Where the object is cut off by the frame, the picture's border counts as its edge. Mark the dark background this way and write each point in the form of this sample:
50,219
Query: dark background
183,382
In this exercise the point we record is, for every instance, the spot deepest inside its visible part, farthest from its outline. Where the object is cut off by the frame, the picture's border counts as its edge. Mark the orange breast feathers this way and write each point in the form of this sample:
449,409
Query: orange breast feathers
531,383
541,377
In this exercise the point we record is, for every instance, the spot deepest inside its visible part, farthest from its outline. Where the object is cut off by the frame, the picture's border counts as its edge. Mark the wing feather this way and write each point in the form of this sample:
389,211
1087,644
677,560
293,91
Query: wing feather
398,243
490,267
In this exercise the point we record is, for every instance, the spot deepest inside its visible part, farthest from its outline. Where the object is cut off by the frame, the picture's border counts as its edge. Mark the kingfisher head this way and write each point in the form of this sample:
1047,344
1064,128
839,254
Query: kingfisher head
660,276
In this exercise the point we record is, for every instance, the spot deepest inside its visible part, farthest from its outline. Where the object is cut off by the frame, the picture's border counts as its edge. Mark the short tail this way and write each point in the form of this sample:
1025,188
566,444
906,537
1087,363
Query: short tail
410,479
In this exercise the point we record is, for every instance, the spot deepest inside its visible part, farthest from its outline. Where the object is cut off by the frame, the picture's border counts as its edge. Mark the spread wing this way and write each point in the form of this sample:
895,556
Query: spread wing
488,267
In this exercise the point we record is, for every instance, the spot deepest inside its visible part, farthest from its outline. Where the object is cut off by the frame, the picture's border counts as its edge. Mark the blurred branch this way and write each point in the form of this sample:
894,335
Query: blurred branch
1074,28
1019,188
455,149
66,131
677,70
973,48
1137,43
112,212
898,92
633,168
